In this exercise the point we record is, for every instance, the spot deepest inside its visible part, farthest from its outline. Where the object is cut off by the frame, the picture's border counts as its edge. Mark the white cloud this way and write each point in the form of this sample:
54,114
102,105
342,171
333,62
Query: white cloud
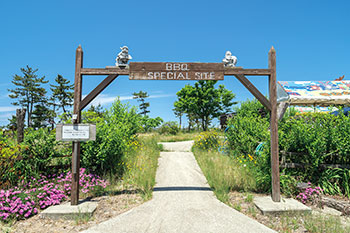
104,99
5,116
8,109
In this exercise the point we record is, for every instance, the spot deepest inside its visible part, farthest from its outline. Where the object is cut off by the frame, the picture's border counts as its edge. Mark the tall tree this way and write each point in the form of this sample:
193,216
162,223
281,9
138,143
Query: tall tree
28,91
62,94
204,102
141,96
42,116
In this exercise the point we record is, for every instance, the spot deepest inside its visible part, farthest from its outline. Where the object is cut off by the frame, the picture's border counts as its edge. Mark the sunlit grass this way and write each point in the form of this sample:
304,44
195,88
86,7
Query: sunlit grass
141,166
223,174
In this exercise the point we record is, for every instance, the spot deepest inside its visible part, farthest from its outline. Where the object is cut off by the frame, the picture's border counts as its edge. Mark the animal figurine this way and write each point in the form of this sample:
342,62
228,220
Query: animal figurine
229,60
123,57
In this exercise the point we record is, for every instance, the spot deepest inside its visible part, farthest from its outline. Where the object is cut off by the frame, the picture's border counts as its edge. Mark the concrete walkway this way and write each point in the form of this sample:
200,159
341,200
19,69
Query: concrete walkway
182,202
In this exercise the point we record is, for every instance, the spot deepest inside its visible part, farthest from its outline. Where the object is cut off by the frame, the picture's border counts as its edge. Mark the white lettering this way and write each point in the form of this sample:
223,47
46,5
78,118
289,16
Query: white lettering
170,75
163,75
181,76
176,66
184,67
156,75
150,75
168,66
198,75
212,75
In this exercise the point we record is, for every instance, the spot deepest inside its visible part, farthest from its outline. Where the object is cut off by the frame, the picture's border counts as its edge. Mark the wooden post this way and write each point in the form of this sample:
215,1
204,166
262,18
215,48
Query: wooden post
20,115
275,172
77,113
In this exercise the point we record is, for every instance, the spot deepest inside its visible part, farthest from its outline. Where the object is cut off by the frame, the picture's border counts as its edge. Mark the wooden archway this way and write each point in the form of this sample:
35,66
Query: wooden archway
191,71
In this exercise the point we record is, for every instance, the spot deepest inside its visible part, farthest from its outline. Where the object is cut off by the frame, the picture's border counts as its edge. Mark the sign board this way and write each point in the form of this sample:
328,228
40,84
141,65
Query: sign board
76,132
176,71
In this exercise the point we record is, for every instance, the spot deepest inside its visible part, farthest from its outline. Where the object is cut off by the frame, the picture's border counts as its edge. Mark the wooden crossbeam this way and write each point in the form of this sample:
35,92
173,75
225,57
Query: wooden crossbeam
110,78
227,71
254,91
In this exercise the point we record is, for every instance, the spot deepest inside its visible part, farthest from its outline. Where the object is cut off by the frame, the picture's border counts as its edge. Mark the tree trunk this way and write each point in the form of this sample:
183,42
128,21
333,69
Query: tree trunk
20,114
342,206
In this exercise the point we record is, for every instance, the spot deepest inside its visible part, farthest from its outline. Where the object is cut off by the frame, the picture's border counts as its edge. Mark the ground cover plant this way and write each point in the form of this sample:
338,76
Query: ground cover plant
24,200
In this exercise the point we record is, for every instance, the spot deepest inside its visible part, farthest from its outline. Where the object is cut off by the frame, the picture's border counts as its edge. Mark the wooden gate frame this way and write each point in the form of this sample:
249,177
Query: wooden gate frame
239,73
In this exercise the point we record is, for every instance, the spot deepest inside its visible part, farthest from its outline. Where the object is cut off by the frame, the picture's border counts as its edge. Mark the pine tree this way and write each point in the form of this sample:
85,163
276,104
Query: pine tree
28,91
141,96
62,94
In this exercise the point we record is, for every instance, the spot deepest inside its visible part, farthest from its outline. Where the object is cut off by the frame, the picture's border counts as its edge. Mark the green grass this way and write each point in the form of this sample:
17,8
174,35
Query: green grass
324,224
223,174
182,136
141,166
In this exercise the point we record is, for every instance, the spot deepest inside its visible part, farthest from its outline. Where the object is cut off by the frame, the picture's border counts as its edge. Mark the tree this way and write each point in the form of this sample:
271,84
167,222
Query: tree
62,93
42,116
28,91
204,102
141,96
178,111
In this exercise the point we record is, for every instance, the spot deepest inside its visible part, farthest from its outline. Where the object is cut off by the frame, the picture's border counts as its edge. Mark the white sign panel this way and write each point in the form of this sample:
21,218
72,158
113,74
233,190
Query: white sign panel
75,132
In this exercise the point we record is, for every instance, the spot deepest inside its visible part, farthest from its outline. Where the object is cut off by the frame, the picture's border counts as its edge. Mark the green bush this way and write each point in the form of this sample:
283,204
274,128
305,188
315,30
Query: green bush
114,136
207,140
316,139
148,124
246,132
170,127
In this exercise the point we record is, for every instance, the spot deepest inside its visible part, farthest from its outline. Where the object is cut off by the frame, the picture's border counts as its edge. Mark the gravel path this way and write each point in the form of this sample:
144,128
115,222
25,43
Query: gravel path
182,202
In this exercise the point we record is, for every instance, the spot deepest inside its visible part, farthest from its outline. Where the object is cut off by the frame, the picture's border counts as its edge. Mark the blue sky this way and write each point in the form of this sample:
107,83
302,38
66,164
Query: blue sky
311,39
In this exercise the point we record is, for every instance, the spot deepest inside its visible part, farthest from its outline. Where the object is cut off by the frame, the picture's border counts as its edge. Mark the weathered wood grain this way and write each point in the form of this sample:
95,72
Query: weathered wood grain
176,71
76,110
275,172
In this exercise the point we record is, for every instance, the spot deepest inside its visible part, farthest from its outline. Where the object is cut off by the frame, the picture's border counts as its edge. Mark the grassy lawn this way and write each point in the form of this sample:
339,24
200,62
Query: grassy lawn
234,186
182,136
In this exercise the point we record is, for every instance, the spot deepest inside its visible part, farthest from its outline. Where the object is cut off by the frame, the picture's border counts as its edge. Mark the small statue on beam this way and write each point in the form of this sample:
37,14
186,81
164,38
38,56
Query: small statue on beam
229,60
123,57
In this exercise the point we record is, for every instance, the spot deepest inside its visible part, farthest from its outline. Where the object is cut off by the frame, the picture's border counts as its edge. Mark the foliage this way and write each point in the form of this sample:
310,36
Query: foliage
149,124
23,201
114,133
250,108
315,139
42,116
141,96
246,132
62,94
170,127
207,140
140,164
203,101
29,91
94,114
224,174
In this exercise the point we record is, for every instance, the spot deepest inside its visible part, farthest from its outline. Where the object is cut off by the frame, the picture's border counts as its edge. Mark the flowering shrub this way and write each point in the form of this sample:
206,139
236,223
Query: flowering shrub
207,140
310,195
23,201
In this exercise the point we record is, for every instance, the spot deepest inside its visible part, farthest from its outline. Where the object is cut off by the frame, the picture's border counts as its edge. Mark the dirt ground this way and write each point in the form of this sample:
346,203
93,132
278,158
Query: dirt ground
108,207
293,223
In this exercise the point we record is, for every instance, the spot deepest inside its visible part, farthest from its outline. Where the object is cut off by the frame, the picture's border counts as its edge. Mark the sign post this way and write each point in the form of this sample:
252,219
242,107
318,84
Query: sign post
178,71
75,133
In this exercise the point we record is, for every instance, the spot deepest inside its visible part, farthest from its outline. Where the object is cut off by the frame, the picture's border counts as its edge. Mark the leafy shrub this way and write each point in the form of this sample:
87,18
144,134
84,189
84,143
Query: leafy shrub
207,140
149,124
246,132
170,127
114,134
29,159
